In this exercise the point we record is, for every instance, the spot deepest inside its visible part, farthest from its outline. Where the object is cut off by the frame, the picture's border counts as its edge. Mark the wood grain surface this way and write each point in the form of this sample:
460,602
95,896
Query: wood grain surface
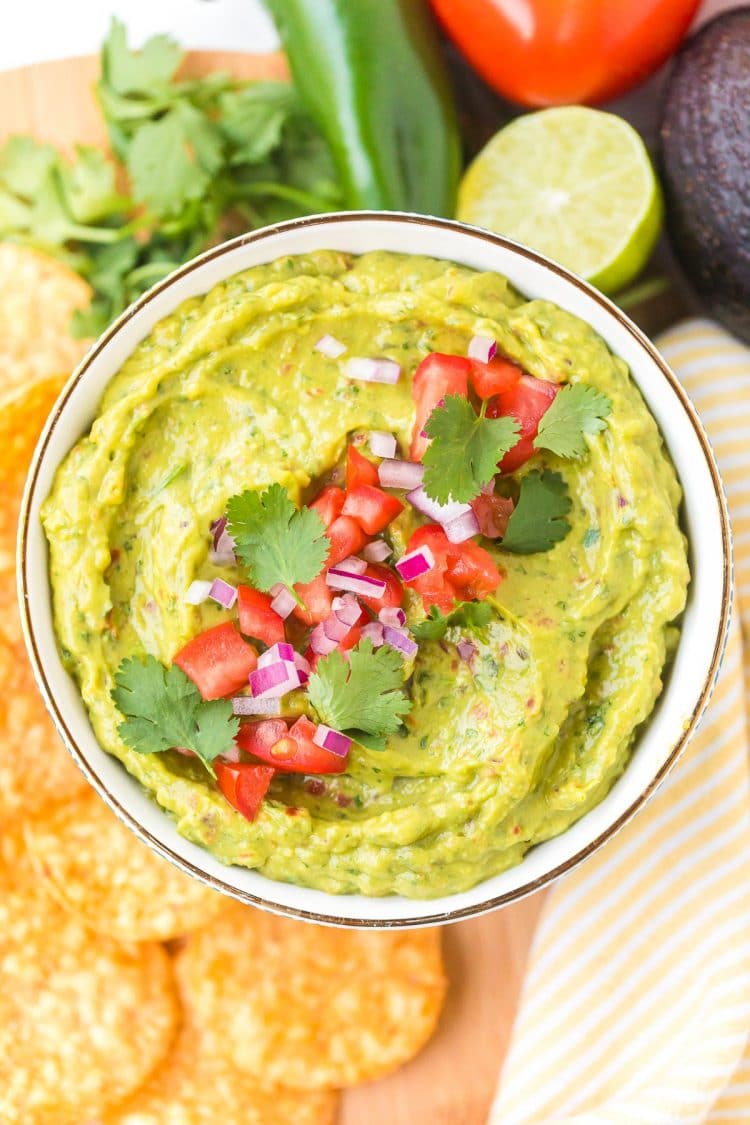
452,1081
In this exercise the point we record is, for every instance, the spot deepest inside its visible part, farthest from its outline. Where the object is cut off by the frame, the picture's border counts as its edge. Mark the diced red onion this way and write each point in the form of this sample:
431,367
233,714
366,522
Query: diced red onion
400,639
393,473
382,444
274,680
223,593
347,609
280,651
330,346
377,551
332,740
232,755
394,616
466,650
373,370
482,348
441,513
360,584
352,565
374,632
283,603
218,527
223,547
198,592
320,643
416,563
303,667
335,629
463,528
247,705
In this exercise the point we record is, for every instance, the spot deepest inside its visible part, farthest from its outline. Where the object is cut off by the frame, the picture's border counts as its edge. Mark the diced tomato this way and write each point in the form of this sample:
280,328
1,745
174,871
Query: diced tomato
492,512
346,536
328,503
372,508
462,570
318,598
244,785
257,619
495,377
472,570
218,661
394,591
359,470
294,751
258,737
438,375
526,401
352,638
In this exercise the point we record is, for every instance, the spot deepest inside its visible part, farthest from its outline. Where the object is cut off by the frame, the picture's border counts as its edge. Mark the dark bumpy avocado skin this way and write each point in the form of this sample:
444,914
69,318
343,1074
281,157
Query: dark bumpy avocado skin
705,158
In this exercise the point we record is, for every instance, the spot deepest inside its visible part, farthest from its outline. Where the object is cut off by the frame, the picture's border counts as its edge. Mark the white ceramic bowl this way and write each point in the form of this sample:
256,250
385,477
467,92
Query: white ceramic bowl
705,622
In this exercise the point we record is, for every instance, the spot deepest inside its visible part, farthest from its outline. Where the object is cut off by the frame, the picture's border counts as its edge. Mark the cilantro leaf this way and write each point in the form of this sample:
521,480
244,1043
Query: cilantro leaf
576,410
24,163
469,615
364,695
171,161
275,541
138,72
537,521
465,449
163,709
252,119
89,186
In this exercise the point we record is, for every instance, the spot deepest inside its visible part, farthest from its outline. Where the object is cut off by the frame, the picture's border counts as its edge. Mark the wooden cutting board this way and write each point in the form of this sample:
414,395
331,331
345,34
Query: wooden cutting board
452,1081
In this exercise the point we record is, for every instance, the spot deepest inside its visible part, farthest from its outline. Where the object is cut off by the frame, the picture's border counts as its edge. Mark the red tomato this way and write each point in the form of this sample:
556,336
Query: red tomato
462,570
359,470
328,503
244,785
527,401
438,375
393,595
346,536
352,638
218,661
492,512
317,596
493,378
372,508
257,619
555,52
258,737
294,751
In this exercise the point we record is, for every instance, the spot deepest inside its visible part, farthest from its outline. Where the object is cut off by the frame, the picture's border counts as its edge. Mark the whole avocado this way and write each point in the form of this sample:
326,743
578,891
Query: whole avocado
705,164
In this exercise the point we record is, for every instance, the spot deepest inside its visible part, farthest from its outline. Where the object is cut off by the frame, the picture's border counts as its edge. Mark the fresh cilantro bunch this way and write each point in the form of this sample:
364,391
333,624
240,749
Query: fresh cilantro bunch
275,541
363,697
204,158
163,710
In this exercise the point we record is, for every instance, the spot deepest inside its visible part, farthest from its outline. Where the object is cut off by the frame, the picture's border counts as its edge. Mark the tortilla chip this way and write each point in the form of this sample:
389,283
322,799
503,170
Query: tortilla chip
36,771
83,1020
198,1085
38,296
99,870
22,418
308,1006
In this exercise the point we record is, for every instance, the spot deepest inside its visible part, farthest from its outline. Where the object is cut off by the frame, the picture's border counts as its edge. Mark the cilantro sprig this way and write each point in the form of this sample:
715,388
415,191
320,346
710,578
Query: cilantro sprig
275,541
469,615
163,709
204,157
465,449
576,410
363,697
538,519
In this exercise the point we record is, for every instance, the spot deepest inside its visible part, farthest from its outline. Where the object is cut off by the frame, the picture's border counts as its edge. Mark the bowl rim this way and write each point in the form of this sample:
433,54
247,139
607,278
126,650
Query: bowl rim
440,917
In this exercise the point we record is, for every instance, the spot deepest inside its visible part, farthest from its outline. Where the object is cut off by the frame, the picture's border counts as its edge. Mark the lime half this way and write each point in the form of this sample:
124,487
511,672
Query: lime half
574,183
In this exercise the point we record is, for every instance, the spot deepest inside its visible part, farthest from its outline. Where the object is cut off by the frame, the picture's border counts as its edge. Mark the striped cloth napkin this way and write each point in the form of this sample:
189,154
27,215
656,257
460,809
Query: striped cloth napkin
636,1004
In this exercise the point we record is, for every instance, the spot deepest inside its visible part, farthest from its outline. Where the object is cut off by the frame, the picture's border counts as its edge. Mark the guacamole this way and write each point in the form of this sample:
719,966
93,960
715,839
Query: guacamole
497,753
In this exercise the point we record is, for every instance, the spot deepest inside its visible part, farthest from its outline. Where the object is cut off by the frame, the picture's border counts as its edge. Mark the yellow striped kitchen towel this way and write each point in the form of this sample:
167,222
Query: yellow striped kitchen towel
636,1004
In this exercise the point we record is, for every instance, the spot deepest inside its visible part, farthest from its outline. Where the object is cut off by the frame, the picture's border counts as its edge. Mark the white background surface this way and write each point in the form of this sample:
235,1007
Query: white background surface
37,30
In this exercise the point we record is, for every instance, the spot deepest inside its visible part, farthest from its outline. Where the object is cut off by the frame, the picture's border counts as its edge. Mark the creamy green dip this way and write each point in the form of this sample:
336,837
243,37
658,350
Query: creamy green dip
228,393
